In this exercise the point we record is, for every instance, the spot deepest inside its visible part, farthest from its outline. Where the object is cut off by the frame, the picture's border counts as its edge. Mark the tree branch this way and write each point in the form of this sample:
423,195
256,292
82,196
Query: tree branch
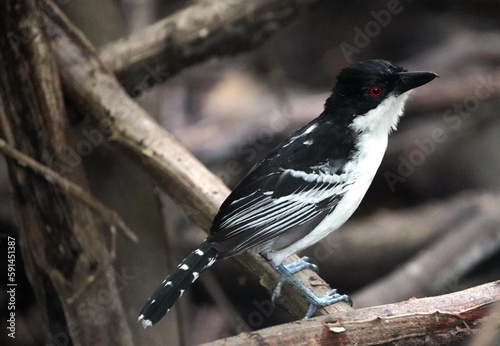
427,321
201,31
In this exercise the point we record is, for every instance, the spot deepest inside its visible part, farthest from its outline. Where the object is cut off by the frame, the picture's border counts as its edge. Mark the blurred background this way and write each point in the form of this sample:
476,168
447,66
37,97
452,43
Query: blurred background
429,224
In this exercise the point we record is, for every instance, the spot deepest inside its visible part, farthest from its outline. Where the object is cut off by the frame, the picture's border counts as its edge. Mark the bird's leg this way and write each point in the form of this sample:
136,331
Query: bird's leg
294,267
329,298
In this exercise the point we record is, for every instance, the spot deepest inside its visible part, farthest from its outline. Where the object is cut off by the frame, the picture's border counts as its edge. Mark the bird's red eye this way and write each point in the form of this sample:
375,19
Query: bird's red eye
376,91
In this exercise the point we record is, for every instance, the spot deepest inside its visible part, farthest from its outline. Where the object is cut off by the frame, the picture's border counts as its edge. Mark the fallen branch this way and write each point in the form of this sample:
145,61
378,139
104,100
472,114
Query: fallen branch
427,321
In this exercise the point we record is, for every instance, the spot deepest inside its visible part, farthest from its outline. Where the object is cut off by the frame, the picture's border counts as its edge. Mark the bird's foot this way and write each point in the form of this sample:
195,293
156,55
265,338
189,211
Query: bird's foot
287,272
330,298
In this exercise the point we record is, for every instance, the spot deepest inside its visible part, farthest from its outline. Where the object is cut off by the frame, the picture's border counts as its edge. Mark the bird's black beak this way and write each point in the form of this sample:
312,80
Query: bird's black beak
412,80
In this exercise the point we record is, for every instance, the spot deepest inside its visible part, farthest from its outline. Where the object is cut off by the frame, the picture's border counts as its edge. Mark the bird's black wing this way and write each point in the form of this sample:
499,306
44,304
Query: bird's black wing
298,182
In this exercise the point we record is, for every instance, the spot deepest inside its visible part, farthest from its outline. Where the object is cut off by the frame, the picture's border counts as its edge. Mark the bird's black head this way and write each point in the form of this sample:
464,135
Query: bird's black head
365,85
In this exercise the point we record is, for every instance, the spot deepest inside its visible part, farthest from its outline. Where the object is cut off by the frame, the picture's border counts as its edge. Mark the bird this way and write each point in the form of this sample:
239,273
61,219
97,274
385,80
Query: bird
307,187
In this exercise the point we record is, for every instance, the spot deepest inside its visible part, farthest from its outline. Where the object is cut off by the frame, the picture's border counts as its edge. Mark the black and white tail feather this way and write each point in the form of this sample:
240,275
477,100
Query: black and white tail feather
176,283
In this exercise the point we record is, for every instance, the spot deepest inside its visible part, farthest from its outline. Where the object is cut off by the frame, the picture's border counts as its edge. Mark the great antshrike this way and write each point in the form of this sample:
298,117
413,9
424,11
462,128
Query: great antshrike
305,188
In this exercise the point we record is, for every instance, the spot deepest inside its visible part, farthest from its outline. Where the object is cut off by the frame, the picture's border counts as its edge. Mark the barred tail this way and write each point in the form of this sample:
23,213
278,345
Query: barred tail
176,283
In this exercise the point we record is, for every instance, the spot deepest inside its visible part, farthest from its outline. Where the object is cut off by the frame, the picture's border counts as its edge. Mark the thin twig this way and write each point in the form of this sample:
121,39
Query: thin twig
109,216
180,311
